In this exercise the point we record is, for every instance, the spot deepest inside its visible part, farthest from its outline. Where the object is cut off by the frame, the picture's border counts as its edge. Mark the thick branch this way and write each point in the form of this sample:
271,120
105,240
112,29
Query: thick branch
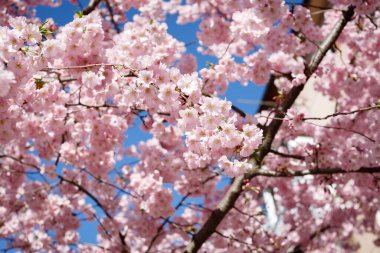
333,171
272,129
91,7
270,132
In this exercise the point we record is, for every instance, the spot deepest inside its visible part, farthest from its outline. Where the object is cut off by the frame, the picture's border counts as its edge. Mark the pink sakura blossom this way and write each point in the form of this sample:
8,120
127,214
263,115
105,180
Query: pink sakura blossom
6,80
32,34
295,117
189,84
247,25
168,93
252,139
214,29
259,67
91,79
146,77
235,168
299,79
231,136
187,64
189,119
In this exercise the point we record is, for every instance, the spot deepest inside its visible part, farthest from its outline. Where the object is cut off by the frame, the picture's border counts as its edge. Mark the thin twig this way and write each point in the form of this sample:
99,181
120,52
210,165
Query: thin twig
110,10
298,157
109,184
344,113
91,106
88,66
167,219
344,129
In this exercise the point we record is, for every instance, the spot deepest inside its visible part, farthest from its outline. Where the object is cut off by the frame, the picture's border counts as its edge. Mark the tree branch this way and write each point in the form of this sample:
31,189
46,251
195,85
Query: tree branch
232,238
132,74
110,10
344,129
298,157
270,132
298,248
109,184
344,113
318,171
91,7
167,219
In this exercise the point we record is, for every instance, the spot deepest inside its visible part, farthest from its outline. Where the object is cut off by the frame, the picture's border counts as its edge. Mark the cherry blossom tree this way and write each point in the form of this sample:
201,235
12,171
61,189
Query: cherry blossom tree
68,94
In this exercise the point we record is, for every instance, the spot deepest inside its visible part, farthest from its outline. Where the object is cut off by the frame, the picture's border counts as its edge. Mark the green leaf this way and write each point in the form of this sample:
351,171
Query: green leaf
256,156
43,24
24,49
39,83
80,14
44,30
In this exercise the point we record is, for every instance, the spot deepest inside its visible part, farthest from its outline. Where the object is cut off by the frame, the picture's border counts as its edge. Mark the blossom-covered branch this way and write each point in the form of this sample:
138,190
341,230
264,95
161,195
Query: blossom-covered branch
235,189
